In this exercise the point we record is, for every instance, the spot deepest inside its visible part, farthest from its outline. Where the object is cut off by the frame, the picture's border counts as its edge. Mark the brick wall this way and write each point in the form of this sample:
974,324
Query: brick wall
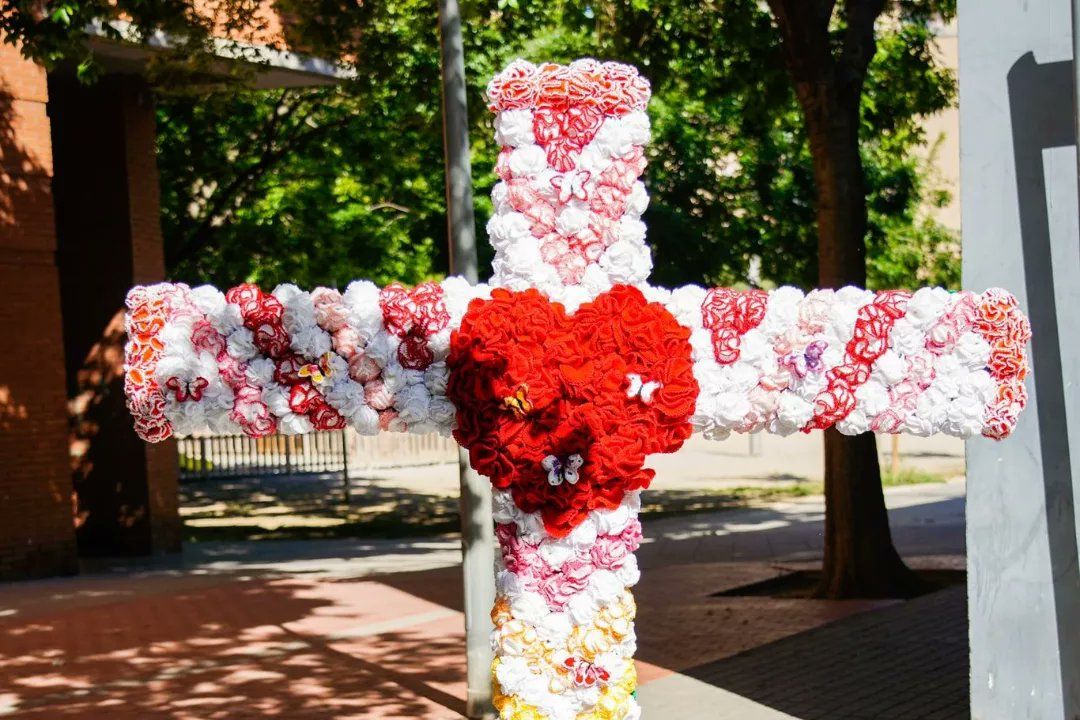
36,529
106,194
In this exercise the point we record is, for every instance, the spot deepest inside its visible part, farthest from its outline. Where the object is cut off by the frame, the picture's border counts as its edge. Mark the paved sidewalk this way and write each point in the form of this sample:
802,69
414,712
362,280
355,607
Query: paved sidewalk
318,630
704,474
926,519
717,464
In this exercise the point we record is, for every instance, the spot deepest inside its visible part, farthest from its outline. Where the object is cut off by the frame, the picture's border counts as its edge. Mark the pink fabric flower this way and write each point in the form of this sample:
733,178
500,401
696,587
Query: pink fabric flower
609,552
564,584
889,421
390,422
206,338
632,535
251,413
377,396
363,369
346,342
232,371
330,312
519,556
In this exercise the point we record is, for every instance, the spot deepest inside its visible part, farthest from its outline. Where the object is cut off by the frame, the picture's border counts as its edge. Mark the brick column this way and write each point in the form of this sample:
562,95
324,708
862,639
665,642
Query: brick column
109,236
37,535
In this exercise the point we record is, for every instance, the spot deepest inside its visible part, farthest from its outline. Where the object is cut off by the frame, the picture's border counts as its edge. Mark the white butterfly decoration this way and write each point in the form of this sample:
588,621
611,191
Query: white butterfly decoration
559,472
640,389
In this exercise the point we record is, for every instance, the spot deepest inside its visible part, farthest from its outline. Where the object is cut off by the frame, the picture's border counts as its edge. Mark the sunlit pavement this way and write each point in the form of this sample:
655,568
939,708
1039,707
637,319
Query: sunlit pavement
316,630
700,465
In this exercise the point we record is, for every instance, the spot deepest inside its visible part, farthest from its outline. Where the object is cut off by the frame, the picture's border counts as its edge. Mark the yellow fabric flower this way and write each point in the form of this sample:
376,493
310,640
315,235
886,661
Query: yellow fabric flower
500,611
518,638
614,699
590,642
511,707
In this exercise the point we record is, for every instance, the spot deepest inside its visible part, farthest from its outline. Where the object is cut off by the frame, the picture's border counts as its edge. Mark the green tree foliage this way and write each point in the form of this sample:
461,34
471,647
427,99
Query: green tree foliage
327,184
53,32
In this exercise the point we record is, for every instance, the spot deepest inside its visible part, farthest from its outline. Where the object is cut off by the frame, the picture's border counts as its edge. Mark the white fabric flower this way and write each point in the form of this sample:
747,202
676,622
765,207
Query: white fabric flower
514,128
527,160
626,262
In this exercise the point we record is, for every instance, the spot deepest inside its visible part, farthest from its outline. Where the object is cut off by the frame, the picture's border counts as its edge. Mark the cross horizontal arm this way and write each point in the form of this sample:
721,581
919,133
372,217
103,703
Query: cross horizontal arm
295,362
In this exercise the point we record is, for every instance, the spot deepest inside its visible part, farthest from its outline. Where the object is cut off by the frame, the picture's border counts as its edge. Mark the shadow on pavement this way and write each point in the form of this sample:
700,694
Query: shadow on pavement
265,648
905,661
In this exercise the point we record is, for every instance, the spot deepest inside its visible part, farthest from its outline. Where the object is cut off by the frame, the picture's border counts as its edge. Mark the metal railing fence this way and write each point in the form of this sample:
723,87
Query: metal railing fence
342,451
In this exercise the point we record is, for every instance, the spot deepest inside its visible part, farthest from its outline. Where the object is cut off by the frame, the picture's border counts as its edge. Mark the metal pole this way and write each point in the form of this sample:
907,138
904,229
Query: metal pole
1076,77
459,200
477,528
345,466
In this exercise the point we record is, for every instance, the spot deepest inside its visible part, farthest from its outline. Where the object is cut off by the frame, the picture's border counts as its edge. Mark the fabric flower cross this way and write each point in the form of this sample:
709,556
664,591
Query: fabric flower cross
567,370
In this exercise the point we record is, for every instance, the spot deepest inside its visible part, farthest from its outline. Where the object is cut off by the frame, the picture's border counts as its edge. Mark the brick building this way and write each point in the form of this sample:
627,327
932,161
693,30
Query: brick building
79,224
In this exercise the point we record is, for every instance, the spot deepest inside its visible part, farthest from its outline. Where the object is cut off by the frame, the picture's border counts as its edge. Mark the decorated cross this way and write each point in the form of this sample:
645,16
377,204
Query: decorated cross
568,370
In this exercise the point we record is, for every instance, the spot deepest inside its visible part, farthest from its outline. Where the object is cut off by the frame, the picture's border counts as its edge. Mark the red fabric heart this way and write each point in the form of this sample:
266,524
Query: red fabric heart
530,382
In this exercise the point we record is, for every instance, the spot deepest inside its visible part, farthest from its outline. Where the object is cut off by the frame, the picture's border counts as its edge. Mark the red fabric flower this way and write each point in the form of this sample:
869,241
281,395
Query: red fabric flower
870,339
287,369
730,314
414,316
414,354
247,296
304,399
530,382
272,340
153,429
262,314
325,417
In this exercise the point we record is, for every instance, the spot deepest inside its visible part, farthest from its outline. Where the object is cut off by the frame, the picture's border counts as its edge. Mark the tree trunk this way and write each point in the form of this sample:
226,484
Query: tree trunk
860,560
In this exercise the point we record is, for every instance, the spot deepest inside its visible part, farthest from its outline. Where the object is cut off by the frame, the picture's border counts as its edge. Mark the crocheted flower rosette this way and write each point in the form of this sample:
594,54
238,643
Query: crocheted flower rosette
568,207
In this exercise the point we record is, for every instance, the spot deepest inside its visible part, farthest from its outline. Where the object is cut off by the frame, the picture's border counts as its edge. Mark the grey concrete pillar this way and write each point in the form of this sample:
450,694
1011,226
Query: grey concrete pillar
1019,199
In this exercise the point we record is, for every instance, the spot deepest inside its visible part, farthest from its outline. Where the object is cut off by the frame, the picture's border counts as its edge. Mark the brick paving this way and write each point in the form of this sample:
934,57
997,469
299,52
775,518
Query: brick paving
318,630
237,649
